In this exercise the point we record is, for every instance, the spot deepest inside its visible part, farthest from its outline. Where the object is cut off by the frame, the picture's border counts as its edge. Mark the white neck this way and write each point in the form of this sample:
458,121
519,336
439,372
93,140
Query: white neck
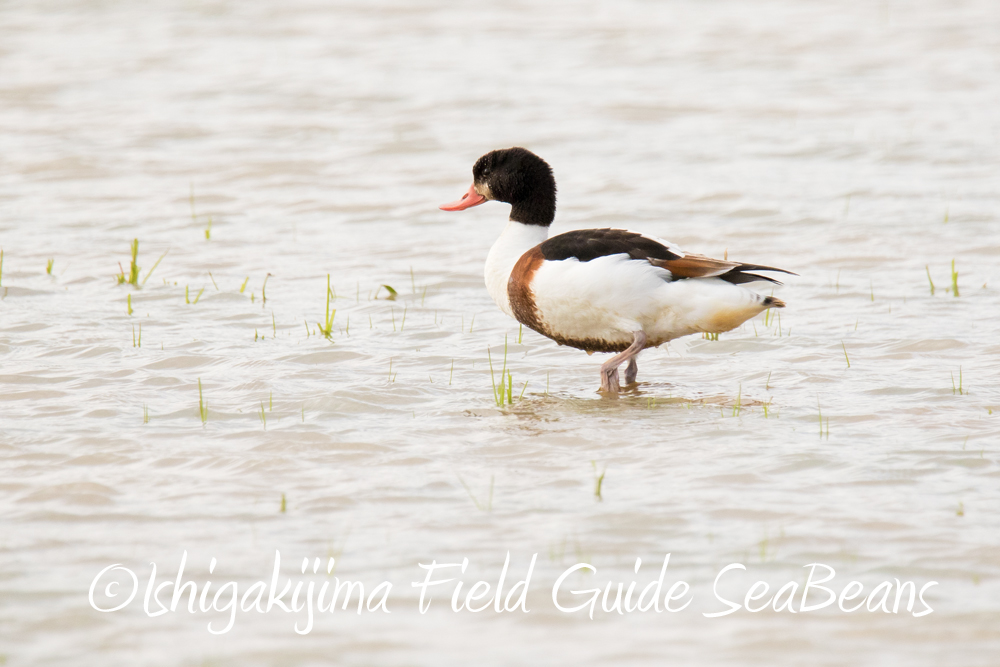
517,238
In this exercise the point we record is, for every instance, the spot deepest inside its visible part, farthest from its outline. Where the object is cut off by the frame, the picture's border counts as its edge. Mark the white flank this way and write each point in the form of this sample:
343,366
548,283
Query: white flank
610,298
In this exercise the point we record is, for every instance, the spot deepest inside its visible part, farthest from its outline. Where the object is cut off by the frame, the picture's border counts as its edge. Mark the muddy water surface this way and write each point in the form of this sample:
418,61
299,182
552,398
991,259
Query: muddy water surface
854,143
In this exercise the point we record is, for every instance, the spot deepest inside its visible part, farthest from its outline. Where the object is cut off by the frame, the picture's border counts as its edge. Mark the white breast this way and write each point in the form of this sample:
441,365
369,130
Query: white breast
516,239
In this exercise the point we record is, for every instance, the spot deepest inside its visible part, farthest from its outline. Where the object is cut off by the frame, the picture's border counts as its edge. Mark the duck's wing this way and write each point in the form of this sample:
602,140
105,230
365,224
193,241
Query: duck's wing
585,245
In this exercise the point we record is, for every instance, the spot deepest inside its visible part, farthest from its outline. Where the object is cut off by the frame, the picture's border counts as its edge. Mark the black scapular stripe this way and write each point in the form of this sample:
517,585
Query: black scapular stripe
588,244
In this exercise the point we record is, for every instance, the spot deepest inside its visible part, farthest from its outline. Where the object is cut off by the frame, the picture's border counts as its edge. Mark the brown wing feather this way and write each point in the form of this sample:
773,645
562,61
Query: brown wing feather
699,266
695,266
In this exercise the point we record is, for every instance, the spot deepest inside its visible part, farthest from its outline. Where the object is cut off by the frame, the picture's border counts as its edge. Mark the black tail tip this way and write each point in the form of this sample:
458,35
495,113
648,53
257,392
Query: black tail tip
772,302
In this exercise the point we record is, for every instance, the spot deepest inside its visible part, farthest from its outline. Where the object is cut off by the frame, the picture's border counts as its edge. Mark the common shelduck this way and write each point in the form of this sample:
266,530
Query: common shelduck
600,290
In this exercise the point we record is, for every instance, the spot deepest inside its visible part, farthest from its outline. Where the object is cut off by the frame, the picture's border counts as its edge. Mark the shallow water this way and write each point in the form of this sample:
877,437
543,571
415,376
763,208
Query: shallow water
854,143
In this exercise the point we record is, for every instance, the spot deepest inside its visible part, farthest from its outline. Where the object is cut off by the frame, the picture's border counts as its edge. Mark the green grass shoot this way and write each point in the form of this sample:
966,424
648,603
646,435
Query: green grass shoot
871,285
327,328
270,401
244,285
194,216
739,402
129,303
957,389
767,384
155,265
48,266
262,415
503,391
497,397
598,479
498,393
274,326
137,342
263,289
472,323
927,267
954,279
488,506
392,378
133,272
845,354
202,405
762,549
824,428
520,333
452,373
392,292
403,323
214,284
198,296
284,505
145,414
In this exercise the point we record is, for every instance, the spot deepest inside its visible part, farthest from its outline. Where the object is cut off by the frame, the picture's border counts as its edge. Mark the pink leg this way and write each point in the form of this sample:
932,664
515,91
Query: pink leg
609,369
631,371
